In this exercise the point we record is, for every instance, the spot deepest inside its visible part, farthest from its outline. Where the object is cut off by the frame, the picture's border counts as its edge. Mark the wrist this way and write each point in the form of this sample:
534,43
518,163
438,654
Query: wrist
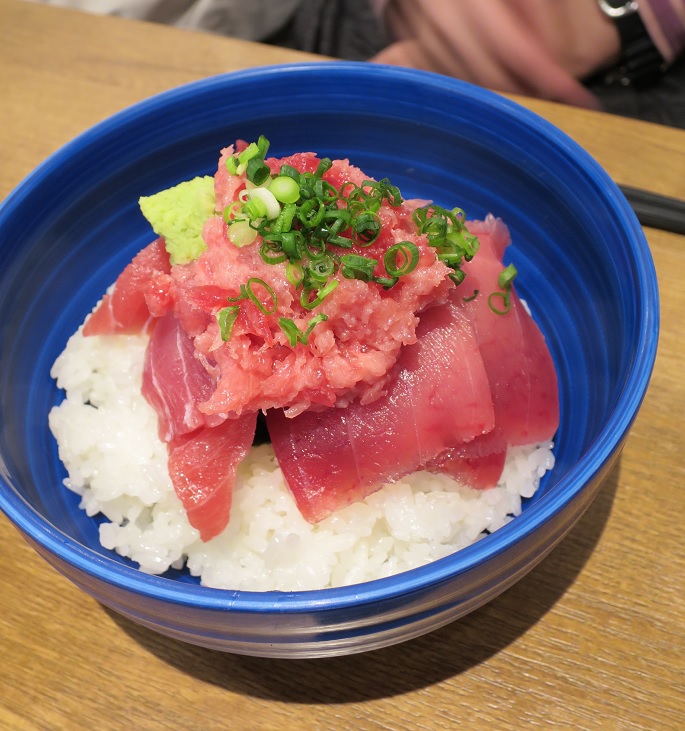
665,23
640,62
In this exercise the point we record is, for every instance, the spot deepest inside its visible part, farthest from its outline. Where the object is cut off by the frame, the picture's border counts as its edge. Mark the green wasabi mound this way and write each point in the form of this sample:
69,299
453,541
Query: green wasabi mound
178,215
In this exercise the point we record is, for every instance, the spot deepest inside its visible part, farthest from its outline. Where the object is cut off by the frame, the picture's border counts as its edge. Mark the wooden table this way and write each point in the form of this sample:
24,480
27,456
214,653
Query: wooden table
594,638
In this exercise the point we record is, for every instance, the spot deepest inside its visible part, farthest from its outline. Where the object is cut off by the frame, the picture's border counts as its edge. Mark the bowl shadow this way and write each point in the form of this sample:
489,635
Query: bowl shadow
408,666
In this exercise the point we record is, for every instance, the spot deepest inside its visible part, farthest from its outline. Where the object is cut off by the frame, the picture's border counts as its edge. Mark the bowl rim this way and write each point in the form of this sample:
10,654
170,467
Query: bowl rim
112,572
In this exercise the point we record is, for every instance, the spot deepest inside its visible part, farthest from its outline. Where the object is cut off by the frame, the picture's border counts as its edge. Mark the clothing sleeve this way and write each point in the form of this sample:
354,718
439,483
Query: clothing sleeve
665,23
252,20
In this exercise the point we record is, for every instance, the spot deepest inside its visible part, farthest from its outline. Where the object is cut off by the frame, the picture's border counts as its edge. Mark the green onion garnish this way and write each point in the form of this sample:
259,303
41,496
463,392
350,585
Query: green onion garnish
263,146
226,319
285,189
504,281
353,266
294,273
366,227
290,172
257,171
252,150
409,255
250,294
294,334
254,208
311,212
270,255
386,282
506,277
321,294
321,269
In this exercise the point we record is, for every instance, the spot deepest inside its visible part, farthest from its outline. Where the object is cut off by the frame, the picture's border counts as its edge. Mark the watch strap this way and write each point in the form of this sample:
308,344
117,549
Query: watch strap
640,64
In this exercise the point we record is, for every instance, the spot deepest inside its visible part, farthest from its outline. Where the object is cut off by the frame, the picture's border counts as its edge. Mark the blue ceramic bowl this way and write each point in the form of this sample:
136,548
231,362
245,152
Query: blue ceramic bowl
73,224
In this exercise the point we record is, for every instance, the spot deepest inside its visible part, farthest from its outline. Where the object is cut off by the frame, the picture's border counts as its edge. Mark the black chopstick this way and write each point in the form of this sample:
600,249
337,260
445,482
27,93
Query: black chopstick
656,211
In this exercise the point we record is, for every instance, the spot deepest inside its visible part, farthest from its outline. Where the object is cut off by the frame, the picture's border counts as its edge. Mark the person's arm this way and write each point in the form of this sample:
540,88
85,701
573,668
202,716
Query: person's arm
665,22
534,47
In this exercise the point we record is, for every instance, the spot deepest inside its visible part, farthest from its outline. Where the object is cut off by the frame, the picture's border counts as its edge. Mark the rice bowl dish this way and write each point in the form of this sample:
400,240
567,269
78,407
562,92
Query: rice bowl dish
352,322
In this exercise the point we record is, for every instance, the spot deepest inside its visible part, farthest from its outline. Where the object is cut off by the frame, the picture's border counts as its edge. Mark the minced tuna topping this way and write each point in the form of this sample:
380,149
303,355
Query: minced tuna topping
310,282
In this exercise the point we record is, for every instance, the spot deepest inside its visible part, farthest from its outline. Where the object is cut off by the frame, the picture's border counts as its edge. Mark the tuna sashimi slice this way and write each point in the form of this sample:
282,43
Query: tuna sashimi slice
516,357
202,467
478,463
439,398
125,309
174,380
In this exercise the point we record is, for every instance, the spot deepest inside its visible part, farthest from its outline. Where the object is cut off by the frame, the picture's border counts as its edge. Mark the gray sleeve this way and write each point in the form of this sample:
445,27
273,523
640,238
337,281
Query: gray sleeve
248,19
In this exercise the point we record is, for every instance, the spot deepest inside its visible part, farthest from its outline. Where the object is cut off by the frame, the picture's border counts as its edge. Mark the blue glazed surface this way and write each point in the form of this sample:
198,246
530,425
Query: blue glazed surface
584,268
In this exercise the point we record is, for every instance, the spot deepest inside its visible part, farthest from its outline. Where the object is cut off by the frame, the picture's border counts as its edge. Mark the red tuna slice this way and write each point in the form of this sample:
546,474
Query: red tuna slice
478,463
202,467
439,398
125,310
516,357
174,380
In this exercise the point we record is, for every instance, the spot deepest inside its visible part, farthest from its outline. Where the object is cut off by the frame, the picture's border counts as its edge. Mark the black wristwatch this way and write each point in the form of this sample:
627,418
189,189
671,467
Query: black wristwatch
640,64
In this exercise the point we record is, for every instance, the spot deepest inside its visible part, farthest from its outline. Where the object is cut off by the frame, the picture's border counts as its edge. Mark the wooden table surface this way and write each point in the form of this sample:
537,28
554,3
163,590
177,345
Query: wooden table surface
594,638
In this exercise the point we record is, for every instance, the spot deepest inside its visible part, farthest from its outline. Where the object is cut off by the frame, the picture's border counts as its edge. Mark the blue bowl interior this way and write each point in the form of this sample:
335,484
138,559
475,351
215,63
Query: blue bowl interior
584,267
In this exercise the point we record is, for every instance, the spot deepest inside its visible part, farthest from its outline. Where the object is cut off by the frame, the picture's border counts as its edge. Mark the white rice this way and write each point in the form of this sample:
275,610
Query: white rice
107,438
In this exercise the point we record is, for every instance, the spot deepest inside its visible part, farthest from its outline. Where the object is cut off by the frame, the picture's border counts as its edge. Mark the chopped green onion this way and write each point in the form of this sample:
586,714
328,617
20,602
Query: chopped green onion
336,219
249,293
321,294
294,334
284,222
267,202
458,215
240,233
472,297
347,184
324,166
285,189
325,191
366,227
341,241
230,211
271,256
290,172
391,193
311,212
314,322
257,171
315,248
504,282
452,259
263,146
290,330
409,253
357,267
386,282
506,299
254,208
457,276
506,277
252,150
292,243
232,165
226,319
321,269
294,273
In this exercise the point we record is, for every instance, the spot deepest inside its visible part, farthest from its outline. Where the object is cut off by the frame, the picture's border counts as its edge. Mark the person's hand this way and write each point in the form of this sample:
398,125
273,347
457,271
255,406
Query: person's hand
536,47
